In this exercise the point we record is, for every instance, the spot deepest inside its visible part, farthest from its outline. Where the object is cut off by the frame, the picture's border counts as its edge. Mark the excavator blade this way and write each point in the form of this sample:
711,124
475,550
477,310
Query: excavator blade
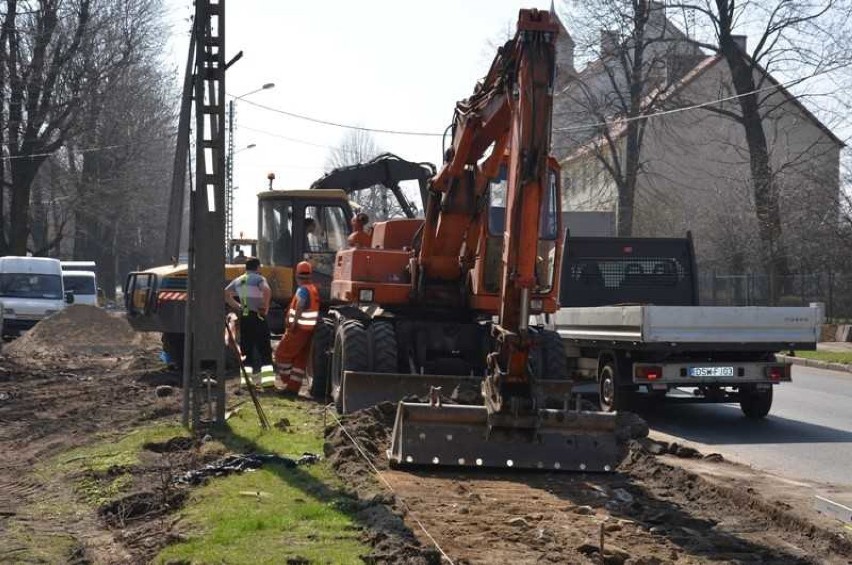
362,390
466,436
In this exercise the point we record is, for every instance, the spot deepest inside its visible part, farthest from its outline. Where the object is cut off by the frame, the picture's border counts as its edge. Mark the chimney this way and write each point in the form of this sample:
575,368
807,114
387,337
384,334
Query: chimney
741,41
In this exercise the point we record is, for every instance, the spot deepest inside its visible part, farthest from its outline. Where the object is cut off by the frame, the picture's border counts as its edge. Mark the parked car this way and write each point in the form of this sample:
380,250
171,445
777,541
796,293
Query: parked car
31,289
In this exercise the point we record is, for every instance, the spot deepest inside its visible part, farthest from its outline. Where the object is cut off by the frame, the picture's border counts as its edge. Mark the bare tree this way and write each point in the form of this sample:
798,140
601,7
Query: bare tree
636,58
802,39
55,57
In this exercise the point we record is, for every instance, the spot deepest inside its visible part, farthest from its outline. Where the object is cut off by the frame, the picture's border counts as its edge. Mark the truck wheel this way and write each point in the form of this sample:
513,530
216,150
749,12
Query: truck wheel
383,340
612,396
756,403
350,353
318,367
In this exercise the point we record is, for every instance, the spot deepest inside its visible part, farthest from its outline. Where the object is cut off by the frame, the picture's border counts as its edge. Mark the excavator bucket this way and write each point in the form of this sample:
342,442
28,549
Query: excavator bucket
362,390
468,436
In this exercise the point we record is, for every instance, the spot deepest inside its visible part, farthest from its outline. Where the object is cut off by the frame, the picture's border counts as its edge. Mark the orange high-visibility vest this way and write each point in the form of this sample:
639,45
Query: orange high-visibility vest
310,315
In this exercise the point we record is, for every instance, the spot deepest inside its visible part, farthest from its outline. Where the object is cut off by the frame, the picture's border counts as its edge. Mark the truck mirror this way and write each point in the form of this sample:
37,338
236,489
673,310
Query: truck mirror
69,297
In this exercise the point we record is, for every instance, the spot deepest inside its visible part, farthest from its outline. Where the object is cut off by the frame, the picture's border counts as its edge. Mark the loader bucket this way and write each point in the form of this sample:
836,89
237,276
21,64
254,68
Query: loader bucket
362,390
460,436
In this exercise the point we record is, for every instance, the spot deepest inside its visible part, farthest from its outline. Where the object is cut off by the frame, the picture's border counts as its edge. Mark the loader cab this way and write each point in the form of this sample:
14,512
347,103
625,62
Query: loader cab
299,225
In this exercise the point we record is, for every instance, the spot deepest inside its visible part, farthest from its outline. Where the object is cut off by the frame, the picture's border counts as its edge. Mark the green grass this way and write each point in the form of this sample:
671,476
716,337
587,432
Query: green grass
274,513
829,356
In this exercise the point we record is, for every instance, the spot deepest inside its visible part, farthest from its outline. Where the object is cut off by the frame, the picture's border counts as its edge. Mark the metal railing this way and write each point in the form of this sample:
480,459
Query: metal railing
752,289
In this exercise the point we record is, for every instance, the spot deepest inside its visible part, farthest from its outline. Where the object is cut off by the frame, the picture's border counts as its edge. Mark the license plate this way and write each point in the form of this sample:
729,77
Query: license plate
711,371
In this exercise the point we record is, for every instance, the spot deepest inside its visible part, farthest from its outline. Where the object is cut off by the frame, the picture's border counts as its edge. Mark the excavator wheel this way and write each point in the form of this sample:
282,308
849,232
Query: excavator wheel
350,353
548,360
384,349
319,366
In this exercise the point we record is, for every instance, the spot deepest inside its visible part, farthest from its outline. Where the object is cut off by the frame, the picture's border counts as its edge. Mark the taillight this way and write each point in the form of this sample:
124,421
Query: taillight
775,372
649,373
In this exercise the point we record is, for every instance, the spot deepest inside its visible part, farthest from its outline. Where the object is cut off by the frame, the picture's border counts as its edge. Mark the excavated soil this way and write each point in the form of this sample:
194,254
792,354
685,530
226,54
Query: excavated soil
653,511
79,333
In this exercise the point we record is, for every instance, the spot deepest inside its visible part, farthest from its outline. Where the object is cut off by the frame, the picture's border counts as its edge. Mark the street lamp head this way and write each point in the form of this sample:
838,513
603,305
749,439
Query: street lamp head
251,145
268,85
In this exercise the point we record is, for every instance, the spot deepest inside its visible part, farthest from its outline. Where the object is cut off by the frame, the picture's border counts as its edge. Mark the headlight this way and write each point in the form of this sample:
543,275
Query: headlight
9,311
365,295
536,304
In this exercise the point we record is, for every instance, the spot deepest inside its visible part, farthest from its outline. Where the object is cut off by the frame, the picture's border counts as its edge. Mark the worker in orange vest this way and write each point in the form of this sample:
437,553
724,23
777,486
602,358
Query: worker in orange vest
359,237
301,318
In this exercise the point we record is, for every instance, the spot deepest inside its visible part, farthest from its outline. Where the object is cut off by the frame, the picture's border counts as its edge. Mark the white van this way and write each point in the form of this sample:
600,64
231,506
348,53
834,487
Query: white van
84,285
30,290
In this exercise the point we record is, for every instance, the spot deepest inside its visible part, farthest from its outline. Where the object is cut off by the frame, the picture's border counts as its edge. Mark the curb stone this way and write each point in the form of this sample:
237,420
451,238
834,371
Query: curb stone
816,363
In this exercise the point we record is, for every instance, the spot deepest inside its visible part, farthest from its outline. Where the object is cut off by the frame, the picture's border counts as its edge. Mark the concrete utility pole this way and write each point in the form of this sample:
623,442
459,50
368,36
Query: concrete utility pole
178,193
204,361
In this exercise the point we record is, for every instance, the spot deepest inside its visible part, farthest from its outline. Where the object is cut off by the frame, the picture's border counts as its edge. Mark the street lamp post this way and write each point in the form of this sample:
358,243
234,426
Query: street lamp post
229,169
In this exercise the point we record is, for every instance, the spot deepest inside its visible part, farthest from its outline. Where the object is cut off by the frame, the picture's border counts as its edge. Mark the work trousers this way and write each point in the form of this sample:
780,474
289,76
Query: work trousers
291,357
255,341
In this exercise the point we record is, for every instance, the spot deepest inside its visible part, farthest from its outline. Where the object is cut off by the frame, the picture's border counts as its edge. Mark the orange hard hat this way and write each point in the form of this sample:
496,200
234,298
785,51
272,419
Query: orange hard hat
304,269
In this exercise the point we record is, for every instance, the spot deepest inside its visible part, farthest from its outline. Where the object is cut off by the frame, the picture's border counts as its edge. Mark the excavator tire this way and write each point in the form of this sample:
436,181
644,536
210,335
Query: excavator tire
350,353
319,366
384,349
549,359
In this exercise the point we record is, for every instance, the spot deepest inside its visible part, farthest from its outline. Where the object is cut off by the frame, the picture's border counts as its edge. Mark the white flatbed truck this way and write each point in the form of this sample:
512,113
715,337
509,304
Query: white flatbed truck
630,321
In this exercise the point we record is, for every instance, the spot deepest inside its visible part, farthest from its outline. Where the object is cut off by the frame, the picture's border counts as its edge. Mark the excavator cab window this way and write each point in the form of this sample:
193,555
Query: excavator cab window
548,232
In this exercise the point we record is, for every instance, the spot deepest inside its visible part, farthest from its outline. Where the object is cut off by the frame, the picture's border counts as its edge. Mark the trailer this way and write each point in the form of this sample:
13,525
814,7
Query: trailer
631,322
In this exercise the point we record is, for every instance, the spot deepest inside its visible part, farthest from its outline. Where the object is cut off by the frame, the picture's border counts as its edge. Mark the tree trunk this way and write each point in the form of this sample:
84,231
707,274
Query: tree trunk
763,181
23,173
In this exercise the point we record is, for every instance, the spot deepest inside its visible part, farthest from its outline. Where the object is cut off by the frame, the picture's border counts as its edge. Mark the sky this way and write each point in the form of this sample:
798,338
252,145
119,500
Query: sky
383,64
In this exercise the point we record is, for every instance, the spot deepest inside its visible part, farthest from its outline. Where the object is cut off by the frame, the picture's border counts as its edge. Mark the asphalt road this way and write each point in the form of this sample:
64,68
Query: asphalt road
807,435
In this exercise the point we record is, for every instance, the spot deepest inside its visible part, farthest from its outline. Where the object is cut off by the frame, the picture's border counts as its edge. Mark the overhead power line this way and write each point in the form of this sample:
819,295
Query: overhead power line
339,125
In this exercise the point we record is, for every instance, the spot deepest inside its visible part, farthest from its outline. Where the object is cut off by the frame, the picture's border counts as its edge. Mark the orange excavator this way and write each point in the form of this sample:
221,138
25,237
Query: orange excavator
435,313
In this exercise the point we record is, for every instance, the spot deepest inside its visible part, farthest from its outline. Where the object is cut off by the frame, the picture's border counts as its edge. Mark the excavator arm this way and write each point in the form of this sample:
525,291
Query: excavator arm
386,170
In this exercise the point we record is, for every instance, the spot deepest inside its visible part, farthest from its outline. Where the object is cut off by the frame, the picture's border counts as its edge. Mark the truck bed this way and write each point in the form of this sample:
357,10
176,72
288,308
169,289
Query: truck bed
692,327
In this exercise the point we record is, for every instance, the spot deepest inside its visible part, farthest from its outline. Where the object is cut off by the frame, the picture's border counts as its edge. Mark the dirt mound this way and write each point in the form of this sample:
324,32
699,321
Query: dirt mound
79,329
392,540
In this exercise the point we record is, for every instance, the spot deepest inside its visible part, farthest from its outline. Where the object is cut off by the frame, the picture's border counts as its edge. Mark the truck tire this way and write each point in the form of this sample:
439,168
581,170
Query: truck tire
350,353
384,350
756,404
319,366
613,397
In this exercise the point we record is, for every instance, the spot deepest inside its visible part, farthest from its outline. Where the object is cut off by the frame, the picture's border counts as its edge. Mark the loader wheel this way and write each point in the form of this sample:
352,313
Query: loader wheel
755,404
319,366
350,353
612,396
549,359
383,340
173,346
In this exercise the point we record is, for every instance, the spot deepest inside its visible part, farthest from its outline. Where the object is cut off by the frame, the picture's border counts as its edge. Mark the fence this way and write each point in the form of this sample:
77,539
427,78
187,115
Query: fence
752,289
